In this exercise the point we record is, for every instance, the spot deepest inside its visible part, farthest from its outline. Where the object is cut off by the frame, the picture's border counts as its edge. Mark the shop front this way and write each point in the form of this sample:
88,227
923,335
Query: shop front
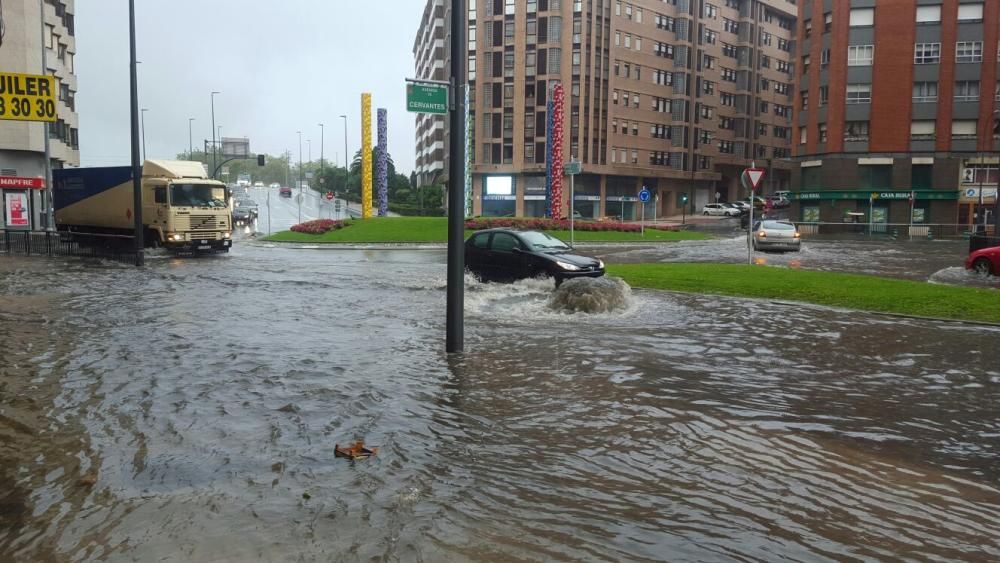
623,207
877,210
499,196
20,198
977,206
588,206
536,204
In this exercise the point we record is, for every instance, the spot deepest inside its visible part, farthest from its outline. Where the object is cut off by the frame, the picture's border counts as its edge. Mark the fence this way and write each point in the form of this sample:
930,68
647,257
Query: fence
116,248
889,230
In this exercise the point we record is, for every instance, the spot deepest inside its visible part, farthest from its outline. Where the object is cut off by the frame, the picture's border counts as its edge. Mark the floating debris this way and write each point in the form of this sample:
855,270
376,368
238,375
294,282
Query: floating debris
354,451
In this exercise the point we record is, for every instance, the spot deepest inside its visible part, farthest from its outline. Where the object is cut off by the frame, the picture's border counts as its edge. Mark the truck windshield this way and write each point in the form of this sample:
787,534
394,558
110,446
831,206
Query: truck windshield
197,195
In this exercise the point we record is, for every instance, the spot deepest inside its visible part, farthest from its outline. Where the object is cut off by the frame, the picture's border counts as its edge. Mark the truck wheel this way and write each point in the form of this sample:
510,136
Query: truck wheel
153,239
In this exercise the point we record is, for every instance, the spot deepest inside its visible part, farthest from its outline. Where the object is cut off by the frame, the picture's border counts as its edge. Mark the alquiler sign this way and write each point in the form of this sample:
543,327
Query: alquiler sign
27,97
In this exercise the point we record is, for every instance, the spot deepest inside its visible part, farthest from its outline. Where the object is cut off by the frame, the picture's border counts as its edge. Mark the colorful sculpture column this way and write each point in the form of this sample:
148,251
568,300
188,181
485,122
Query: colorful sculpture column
558,101
549,125
469,134
366,156
382,174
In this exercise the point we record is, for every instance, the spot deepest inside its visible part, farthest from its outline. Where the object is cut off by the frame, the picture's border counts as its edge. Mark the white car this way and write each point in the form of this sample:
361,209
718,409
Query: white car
719,209
258,184
275,186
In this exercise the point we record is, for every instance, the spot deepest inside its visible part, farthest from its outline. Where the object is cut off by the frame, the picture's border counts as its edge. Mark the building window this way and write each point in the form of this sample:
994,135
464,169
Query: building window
808,28
508,7
805,64
822,132
925,92
964,128
824,58
862,17
711,11
827,22
710,36
730,26
824,95
927,53
970,12
859,93
727,99
860,55
922,129
804,99
728,74
708,87
928,14
969,52
856,131
967,91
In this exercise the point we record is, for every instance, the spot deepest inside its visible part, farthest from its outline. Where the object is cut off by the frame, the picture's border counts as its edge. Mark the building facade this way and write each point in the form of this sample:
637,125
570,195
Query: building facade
678,96
896,111
22,143
431,55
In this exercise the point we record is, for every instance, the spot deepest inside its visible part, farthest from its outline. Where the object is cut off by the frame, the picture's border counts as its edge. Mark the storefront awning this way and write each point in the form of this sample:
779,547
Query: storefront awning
886,195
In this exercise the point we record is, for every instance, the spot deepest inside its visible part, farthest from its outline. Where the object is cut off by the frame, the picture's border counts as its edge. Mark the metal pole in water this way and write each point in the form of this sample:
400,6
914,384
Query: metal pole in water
268,213
750,231
136,166
455,309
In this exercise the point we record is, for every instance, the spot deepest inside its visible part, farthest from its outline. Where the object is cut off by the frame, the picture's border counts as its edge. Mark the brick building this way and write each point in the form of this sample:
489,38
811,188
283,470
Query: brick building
896,98
675,95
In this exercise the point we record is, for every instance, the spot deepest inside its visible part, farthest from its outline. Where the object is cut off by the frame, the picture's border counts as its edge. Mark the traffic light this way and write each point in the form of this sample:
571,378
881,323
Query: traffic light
684,198
260,160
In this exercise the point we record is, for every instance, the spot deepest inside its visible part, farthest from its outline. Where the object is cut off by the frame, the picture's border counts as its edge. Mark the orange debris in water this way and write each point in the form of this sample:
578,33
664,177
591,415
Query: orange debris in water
354,451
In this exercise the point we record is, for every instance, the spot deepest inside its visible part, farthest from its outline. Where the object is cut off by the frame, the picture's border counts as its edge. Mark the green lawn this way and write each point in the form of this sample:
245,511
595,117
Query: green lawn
435,229
866,293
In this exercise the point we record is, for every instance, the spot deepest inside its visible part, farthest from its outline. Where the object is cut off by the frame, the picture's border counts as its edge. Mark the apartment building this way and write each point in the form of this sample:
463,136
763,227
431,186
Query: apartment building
897,98
22,144
432,62
678,96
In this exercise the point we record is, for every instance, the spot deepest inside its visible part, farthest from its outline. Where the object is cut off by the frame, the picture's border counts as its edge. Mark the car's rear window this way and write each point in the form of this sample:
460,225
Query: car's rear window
779,226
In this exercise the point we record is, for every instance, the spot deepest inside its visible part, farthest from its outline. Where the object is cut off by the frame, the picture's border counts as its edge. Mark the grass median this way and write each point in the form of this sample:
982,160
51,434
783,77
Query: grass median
849,291
435,229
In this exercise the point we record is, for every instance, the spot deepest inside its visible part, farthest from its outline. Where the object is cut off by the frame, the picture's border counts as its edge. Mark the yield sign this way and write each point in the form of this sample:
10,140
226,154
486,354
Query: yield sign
755,175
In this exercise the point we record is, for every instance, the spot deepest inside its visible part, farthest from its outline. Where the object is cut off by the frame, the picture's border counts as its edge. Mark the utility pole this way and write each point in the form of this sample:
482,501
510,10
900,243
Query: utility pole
300,176
136,167
455,308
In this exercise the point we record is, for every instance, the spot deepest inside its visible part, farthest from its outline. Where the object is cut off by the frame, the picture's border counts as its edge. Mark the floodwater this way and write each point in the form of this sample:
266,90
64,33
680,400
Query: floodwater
188,411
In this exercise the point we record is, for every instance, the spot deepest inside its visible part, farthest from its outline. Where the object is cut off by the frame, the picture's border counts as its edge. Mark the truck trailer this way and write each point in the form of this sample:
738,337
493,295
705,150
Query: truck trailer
182,209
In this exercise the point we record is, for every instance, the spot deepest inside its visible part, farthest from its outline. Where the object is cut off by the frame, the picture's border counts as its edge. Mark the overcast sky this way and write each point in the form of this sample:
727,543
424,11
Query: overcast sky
281,66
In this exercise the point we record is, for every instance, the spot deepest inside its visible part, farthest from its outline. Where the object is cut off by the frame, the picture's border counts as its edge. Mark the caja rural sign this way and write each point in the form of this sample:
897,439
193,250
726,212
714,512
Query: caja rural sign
27,97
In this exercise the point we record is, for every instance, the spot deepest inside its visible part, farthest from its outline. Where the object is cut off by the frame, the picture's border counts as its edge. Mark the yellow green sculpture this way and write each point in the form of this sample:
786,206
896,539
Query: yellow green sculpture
366,156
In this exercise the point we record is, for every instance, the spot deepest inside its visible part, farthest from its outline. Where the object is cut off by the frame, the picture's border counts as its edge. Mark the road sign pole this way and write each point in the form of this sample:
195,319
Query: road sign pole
268,213
642,220
455,303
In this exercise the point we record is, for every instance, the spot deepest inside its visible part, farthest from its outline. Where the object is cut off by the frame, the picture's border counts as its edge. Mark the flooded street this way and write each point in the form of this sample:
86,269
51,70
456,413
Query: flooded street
188,411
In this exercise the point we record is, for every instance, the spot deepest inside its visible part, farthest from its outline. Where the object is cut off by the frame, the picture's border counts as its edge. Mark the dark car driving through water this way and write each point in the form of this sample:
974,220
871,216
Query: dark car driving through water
507,255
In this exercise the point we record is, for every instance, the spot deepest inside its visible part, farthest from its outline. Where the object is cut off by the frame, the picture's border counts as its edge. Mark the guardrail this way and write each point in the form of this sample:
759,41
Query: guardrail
117,248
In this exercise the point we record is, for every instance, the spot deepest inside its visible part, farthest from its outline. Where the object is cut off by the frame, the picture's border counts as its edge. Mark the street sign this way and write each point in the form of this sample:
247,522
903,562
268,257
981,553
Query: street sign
573,168
754,175
329,196
225,171
27,97
427,98
644,194
298,199
16,182
309,175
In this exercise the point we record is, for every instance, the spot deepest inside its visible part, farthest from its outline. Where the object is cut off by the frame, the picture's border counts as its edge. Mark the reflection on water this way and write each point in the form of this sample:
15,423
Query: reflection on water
205,398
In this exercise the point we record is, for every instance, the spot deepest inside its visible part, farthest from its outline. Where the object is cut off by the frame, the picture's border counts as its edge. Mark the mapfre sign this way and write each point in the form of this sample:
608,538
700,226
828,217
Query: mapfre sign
18,183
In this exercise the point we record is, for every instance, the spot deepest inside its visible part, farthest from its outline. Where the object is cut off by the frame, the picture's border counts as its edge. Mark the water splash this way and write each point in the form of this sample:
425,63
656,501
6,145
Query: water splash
592,295
956,275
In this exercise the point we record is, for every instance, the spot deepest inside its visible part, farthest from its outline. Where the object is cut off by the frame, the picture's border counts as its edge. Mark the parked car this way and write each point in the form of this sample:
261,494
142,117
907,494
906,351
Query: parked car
985,261
778,202
776,235
275,186
507,255
258,184
719,209
285,191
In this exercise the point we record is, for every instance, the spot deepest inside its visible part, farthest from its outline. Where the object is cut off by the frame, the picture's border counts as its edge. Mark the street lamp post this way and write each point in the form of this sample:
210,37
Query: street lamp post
190,140
322,140
347,159
142,114
214,157
309,151
300,175
136,167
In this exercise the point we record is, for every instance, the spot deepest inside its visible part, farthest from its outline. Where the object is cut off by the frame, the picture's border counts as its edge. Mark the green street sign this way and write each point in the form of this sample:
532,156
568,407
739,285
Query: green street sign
427,98
573,168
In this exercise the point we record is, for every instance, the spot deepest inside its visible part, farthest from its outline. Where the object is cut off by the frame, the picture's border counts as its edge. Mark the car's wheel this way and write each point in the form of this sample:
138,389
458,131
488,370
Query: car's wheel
704,213
983,267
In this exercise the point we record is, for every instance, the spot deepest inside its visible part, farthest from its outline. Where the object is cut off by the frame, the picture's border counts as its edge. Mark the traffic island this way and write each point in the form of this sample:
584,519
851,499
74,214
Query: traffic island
848,291
435,230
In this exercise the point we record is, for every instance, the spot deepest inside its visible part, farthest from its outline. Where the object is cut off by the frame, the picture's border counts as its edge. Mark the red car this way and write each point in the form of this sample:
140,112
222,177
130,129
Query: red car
985,261
285,191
